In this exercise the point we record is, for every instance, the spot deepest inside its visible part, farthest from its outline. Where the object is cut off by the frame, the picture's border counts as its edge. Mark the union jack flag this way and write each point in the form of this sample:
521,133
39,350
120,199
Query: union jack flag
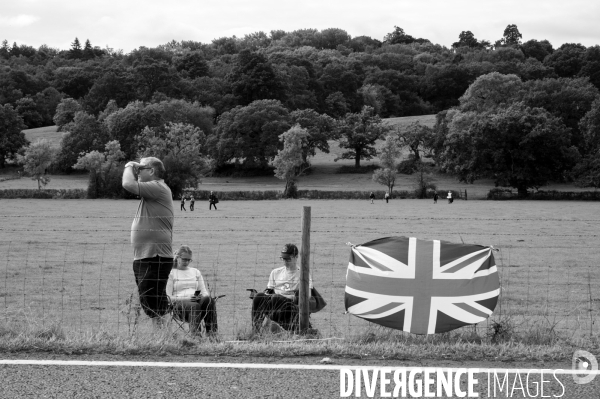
422,287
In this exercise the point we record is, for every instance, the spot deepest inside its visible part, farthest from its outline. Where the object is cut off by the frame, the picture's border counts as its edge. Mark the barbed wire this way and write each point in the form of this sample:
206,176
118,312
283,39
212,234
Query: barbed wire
295,217
312,231
341,244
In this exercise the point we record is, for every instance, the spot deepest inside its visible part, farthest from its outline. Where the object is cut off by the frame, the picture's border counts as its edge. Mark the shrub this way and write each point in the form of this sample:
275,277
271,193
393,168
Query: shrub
407,167
43,194
552,195
500,193
235,195
292,191
360,170
233,170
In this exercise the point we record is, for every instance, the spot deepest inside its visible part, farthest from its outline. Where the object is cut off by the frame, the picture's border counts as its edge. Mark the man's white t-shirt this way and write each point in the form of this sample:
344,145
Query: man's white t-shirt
285,282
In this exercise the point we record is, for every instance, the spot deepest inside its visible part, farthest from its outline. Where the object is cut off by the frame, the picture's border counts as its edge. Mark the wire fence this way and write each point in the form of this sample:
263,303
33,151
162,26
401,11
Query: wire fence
89,286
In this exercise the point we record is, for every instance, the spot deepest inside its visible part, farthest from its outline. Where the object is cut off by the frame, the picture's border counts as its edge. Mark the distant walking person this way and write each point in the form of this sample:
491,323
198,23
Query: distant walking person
450,200
213,201
435,197
387,197
372,196
151,234
192,200
183,204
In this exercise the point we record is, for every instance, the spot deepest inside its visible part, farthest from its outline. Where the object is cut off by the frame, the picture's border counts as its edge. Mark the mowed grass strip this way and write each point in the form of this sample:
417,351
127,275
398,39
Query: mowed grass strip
69,261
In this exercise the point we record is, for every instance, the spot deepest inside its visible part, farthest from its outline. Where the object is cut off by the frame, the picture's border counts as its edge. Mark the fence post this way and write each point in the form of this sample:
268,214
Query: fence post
304,294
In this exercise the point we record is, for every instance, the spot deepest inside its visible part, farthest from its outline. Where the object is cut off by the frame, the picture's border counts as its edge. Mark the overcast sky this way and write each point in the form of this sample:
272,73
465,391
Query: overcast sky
129,24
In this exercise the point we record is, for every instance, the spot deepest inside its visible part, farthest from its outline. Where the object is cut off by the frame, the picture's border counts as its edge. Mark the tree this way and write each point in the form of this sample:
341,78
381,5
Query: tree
567,60
36,160
333,37
75,51
298,85
125,124
591,65
418,138
88,51
537,49
250,134
73,81
589,126
193,63
358,134
46,102
512,36
336,105
12,138
320,128
65,112
289,163
253,78
182,147
27,108
423,180
115,84
466,39
388,154
4,49
398,36
84,134
567,98
518,146
443,86
152,75
587,172
104,180
338,77
490,91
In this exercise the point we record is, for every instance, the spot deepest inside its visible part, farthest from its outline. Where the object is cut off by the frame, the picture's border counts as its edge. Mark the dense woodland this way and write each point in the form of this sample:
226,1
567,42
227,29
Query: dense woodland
521,112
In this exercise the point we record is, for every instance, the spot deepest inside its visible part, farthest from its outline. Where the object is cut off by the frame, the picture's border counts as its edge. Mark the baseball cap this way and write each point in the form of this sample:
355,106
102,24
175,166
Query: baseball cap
289,251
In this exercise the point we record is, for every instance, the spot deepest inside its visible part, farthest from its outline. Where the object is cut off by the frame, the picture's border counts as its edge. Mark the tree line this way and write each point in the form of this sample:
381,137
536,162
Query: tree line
232,100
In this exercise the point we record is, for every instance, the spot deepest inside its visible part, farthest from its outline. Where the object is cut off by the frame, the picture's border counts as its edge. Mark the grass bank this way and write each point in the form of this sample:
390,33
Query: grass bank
378,343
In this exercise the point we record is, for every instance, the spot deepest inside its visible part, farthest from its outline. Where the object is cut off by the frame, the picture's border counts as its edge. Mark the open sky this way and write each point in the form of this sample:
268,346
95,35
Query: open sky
129,24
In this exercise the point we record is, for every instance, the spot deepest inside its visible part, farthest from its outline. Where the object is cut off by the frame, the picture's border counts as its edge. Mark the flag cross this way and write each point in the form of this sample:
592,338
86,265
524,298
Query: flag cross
423,259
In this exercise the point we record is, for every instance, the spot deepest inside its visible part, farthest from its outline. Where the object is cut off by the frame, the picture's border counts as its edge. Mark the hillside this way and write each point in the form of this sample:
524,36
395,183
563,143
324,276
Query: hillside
48,132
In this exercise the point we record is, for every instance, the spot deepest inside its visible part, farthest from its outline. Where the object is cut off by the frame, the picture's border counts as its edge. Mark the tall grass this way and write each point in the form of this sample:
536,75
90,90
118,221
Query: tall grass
537,344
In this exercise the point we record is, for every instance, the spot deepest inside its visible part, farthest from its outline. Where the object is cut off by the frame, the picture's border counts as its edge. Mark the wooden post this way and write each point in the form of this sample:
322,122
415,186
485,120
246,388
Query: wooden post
304,295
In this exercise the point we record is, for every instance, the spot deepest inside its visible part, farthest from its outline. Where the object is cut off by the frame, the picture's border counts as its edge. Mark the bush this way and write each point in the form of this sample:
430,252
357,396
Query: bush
43,194
201,195
407,167
292,191
232,170
498,193
360,170
552,195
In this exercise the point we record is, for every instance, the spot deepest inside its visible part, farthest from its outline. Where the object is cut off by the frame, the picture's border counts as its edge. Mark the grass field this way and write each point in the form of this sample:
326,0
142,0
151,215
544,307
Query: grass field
49,133
70,260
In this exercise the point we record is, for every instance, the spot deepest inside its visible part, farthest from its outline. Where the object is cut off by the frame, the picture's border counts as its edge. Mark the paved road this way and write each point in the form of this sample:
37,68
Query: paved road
39,381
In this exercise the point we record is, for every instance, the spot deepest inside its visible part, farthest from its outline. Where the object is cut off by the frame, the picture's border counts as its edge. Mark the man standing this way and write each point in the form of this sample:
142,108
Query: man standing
212,200
192,200
151,234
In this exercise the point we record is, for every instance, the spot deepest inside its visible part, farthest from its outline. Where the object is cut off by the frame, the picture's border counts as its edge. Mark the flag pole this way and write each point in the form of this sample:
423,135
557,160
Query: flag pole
304,294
